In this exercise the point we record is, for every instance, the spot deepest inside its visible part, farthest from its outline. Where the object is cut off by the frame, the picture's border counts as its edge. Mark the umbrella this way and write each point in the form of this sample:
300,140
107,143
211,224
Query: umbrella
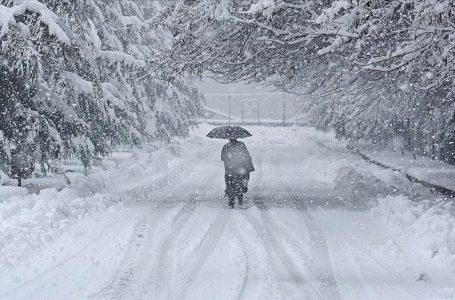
229,132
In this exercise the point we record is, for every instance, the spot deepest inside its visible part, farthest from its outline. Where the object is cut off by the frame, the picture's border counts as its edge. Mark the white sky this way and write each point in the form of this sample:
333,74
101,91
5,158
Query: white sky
271,106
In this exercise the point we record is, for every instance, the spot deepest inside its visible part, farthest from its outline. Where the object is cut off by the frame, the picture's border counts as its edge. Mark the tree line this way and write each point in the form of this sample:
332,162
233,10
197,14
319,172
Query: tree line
369,69
78,78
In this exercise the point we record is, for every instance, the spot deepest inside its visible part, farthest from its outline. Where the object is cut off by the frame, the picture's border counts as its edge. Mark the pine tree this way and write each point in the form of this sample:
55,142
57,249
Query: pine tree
75,83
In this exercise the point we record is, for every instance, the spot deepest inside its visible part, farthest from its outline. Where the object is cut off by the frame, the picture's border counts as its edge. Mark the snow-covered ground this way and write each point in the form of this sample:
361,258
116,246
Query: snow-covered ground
424,168
318,223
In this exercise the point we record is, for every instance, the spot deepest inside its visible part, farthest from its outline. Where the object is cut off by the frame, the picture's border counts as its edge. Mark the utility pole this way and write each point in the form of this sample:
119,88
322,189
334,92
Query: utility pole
229,100
296,110
284,110
259,122
242,113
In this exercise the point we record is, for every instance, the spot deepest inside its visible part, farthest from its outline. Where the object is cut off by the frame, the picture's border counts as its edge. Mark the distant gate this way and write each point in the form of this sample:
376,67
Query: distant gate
276,109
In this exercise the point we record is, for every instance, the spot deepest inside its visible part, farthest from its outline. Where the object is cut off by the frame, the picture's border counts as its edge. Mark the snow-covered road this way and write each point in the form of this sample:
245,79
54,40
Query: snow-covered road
305,232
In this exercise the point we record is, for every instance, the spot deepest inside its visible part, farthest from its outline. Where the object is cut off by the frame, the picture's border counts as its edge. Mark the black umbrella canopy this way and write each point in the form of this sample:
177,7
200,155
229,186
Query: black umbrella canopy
229,132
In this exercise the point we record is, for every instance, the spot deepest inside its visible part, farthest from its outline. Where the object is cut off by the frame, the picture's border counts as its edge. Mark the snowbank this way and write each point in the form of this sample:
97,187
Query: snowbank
433,224
423,232
29,222
11,191
359,189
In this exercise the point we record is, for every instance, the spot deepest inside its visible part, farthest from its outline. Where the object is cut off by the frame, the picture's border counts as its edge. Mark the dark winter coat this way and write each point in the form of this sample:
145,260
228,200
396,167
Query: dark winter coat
236,158
238,165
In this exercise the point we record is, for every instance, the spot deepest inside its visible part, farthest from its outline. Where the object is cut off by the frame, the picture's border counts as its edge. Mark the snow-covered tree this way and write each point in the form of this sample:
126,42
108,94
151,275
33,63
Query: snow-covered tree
77,79
370,69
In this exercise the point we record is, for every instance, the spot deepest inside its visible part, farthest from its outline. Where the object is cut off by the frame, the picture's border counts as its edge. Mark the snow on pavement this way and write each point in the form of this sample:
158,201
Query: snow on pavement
318,223
424,168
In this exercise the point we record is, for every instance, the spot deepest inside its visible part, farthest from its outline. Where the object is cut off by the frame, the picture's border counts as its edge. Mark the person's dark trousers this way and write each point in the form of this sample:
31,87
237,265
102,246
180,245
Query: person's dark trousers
245,187
234,187
231,202
240,199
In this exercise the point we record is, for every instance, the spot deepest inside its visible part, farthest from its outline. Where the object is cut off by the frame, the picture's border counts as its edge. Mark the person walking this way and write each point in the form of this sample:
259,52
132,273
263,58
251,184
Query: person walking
237,165
237,161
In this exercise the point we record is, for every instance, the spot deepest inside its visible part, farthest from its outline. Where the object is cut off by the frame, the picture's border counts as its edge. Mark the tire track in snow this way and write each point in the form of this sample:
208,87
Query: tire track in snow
243,239
283,233
319,265
325,281
247,272
248,289
120,281
277,254
356,250
165,259
208,244
137,257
